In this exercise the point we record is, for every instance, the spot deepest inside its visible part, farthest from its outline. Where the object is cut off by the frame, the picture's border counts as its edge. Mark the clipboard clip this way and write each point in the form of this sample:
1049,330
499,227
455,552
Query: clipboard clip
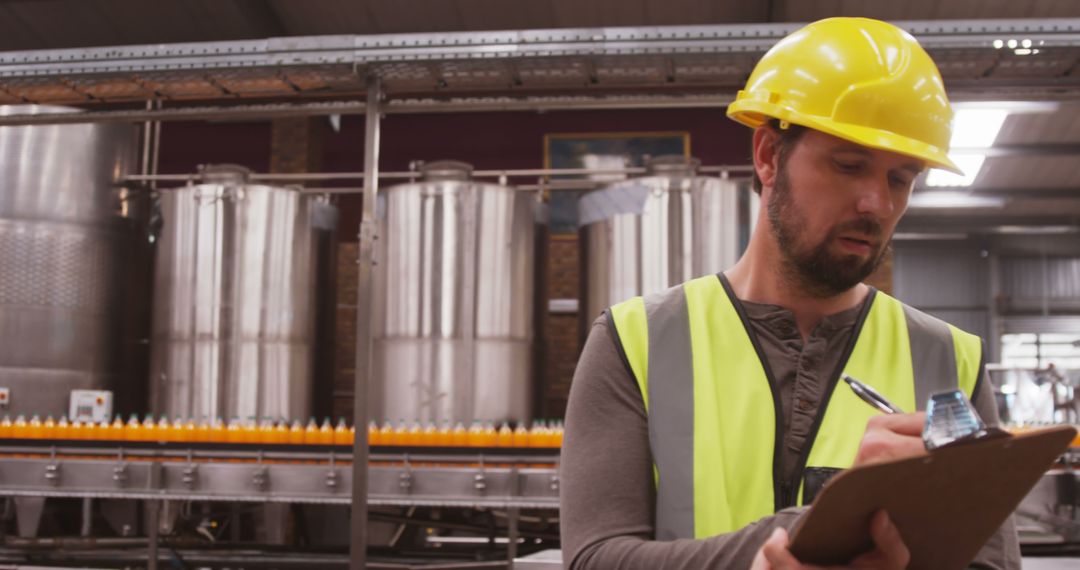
951,419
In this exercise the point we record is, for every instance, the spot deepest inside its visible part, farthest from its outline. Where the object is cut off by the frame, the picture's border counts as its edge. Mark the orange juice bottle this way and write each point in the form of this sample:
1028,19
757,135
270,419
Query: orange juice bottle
191,430
266,432
162,429
250,431
281,432
491,435
459,437
34,429
63,428
557,435
116,430
234,431
475,436
133,429
78,429
149,428
48,428
521,435
5,427
505,437
296,433
311,432
91,429
415,436
445,436
537,434
374,435
202,430
342,436
429,437
178,430
19,427
387,435
326,432
218,432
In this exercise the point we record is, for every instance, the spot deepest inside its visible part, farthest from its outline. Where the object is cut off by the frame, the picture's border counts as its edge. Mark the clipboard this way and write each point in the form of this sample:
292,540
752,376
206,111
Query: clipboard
946,504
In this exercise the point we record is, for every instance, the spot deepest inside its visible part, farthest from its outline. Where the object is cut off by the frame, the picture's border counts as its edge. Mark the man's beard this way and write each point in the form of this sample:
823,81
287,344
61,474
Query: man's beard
818,272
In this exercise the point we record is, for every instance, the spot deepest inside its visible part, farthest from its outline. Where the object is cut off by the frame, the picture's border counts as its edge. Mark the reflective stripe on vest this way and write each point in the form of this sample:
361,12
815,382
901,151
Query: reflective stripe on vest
713,418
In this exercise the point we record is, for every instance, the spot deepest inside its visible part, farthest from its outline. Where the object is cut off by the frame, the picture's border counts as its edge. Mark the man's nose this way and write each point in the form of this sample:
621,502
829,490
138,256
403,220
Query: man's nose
875,198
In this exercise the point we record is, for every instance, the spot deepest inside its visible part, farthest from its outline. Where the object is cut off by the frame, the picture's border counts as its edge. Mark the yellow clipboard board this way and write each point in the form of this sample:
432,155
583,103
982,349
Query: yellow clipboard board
946,504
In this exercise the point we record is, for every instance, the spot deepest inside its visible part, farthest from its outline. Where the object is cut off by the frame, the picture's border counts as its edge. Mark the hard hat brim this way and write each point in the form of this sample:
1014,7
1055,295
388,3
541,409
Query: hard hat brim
755,113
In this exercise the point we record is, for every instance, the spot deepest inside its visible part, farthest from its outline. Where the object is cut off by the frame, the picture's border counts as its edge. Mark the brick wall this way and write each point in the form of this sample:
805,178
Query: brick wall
561,330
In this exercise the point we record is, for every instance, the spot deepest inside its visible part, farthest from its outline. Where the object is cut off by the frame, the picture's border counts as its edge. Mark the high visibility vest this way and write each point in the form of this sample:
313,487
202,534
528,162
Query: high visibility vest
714,408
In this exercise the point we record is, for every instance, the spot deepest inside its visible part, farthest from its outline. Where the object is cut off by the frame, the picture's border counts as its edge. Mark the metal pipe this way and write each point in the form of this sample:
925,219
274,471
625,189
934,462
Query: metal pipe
87,517
155,523
508,173
364,292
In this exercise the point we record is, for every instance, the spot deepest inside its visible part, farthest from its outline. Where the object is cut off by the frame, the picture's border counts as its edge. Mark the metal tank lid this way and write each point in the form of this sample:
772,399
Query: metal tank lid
445,170
225,174
672,165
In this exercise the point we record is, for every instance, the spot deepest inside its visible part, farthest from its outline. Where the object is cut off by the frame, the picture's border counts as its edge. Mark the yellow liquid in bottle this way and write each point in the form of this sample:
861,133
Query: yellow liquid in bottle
521,436
5,427
163,429
63,428
538,435
476,435
281,432
90,430
490,436
311,433
374,435
218,432
445,435
116,431
48,428
342,435
430,436
326,433
202,431
149,429
505,437
19,427
459,437
133,429
296,433
34,429
414,436
387,435
235,432
266,432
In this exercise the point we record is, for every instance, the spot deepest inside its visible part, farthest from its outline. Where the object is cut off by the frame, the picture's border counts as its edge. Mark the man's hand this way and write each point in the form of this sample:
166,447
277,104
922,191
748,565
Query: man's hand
892,436
889,552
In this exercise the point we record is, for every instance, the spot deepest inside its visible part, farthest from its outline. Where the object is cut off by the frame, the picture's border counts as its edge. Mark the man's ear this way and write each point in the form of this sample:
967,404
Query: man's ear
766,155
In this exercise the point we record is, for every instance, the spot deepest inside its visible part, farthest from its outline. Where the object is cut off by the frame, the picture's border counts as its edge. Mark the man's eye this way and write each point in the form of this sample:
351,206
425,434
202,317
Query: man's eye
899,181
848,166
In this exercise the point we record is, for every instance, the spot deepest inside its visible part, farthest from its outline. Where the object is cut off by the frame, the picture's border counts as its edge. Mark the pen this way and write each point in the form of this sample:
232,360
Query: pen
870,396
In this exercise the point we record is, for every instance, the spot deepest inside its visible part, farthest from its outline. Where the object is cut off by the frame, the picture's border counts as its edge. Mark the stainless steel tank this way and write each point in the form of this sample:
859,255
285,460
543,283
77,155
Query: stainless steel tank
454,305
234,316
61,255
646,234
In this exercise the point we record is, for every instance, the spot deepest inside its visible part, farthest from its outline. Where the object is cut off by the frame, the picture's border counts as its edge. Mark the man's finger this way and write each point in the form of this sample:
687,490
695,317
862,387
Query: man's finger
904,424
888,540
776,552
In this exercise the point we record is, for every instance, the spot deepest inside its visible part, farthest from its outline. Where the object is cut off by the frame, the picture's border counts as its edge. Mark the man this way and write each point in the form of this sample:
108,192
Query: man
702,419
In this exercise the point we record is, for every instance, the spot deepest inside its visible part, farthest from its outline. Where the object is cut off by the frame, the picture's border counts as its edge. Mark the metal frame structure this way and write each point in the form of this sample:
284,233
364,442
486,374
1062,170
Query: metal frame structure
680,66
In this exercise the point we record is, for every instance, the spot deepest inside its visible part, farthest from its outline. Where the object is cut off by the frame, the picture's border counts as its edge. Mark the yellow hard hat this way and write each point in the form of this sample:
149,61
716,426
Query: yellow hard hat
862,80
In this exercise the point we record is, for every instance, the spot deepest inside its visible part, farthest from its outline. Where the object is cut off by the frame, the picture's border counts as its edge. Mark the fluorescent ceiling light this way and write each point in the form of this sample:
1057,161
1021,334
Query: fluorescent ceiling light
973,127
953,199
976,128
969,163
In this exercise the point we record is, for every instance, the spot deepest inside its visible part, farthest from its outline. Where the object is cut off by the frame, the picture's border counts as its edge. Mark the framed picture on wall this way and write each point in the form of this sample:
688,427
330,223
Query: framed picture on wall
601,151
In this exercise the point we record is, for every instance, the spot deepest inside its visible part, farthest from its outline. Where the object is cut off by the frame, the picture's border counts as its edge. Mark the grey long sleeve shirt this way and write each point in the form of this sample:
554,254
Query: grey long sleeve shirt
608,498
